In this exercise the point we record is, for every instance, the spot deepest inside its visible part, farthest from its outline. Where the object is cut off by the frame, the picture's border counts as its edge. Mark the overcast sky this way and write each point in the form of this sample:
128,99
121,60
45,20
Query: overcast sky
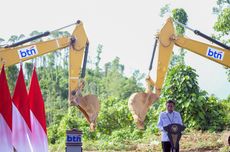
125,28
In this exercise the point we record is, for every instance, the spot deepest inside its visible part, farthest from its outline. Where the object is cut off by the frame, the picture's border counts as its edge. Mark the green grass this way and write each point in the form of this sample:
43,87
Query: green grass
195,141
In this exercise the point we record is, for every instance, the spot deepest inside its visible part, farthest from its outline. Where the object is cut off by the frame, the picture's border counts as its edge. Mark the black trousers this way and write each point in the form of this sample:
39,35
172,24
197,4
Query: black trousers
166,147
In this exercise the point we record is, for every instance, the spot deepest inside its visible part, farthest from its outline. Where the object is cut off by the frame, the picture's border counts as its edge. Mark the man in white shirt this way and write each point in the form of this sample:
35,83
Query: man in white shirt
166,118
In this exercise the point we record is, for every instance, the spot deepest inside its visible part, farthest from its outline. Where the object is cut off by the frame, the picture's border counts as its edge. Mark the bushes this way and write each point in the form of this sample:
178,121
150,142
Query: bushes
114,114
115,127
197,109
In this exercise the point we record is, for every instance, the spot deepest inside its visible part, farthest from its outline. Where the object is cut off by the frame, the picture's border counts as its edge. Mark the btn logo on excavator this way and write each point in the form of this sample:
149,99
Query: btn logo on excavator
214,53
27,52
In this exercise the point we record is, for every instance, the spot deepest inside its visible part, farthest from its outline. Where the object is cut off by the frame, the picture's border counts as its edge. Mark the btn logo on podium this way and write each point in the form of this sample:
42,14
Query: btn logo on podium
73,138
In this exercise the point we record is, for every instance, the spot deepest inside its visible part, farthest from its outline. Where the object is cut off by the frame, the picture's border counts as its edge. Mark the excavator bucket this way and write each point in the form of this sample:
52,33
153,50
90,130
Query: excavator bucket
138,104
89,105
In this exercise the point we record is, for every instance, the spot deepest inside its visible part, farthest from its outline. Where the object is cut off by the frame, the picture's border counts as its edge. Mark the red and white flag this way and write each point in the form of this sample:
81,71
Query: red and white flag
5,115
21,117
37,116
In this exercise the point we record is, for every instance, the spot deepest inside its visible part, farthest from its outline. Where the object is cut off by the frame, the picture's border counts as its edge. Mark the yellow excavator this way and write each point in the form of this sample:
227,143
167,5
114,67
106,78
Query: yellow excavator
78,49
140,102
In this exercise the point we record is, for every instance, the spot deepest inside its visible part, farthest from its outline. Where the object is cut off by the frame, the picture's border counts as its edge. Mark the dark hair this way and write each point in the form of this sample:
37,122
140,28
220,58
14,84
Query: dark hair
171,101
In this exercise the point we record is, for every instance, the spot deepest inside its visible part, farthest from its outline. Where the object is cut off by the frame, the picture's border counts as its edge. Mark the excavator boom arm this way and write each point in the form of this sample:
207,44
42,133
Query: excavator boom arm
167,40
211,52
11,56
77,43
140,102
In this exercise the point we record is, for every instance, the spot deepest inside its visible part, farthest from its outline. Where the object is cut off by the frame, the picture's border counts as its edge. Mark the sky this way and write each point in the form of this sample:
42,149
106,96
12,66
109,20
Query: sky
125,28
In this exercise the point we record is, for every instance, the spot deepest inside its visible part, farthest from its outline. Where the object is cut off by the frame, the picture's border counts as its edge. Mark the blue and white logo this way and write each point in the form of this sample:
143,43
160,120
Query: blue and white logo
214,53
73,138
27,52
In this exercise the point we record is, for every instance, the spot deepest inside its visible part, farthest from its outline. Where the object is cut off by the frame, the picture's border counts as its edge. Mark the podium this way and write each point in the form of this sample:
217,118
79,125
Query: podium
174,133
73,140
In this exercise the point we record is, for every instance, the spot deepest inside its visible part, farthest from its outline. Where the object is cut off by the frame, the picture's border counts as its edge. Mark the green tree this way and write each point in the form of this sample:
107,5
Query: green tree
1,40
165,9
217,117
114,115
222,25
228,73
116,84
181,85
223,22
221,4
180,15
28,71
98,57
12,73
13,39
193,104
112,82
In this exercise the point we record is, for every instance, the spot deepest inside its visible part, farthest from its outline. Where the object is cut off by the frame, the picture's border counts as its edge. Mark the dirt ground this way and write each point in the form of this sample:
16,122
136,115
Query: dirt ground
190,142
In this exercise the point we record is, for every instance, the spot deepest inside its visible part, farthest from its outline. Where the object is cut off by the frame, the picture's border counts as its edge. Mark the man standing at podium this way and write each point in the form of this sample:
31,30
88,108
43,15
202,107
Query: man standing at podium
166,118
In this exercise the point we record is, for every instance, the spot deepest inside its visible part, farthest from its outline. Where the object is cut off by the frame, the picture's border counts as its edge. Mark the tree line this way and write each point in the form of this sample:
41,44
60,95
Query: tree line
199,110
